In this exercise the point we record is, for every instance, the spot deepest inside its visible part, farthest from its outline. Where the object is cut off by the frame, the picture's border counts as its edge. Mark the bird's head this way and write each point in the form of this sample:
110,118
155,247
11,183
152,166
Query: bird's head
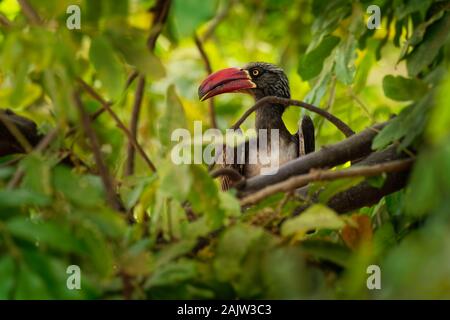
259,79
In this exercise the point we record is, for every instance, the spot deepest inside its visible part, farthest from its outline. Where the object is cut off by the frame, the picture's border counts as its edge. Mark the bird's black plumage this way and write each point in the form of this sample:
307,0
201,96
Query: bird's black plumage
270,80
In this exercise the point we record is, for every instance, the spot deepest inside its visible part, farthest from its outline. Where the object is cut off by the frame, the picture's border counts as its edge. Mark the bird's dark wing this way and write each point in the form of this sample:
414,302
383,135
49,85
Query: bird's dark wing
228,181
305,135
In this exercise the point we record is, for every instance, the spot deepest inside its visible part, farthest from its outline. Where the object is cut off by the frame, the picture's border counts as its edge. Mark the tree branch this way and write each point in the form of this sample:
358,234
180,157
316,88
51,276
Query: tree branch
29,12
161,12
138,97
40,147
364,194
204,56
326,175
354,147
4,21
221,15
107,180
119,123
344,128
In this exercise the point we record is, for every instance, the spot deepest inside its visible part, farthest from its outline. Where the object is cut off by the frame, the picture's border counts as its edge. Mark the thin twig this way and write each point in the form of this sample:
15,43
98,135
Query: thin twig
119,123
326,175
361,104
131,79
29,12
221,15
16,133
107,180
208,69
161,12
329,106
138,97
41,146
343,127
4,21
350,149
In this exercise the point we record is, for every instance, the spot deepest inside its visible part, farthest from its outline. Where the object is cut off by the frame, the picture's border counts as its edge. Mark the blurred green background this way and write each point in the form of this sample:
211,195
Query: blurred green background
58,215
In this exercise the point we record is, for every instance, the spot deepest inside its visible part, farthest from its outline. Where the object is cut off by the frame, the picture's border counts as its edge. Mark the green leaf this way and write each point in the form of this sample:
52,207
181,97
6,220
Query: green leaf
438,127
7,275
56,236
404,89
409,124
169,174
320,87
232,248
315,217
108,66
327,250
173,252
285,275
83,191
189,14
30,285
174,118
21,197
312,62
131,43
174,273
424,53
403,10
377,181
37,175
334,187
53,272
204,195
345,60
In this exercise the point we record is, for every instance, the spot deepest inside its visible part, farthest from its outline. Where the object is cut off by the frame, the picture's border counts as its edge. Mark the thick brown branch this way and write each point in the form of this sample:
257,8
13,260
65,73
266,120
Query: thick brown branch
119,123
343,127
201,50
354,147
107,180
138,97
365,194
326,175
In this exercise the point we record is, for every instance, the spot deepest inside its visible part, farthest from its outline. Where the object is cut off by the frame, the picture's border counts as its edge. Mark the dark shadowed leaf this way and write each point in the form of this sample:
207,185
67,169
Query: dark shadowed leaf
403,89
108,66
312,62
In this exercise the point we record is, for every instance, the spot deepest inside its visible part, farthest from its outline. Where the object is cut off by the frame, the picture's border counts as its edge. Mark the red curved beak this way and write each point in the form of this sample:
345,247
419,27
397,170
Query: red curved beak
223,81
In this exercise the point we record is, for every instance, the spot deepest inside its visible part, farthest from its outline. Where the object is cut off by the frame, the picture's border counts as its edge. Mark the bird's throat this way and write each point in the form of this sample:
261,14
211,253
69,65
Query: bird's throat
271,117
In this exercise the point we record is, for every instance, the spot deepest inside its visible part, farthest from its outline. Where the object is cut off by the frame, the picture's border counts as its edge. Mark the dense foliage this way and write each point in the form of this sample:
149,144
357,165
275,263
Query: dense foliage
189,239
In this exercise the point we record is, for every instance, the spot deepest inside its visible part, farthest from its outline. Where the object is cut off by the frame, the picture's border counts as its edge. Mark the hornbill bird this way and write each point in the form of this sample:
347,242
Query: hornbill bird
260,79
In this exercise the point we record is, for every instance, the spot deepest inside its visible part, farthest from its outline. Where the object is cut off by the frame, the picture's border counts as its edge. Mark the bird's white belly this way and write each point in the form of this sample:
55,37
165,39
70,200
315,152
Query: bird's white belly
269,161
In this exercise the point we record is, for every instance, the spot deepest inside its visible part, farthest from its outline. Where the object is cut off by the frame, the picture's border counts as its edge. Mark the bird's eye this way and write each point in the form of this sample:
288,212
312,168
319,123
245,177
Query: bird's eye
255,72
